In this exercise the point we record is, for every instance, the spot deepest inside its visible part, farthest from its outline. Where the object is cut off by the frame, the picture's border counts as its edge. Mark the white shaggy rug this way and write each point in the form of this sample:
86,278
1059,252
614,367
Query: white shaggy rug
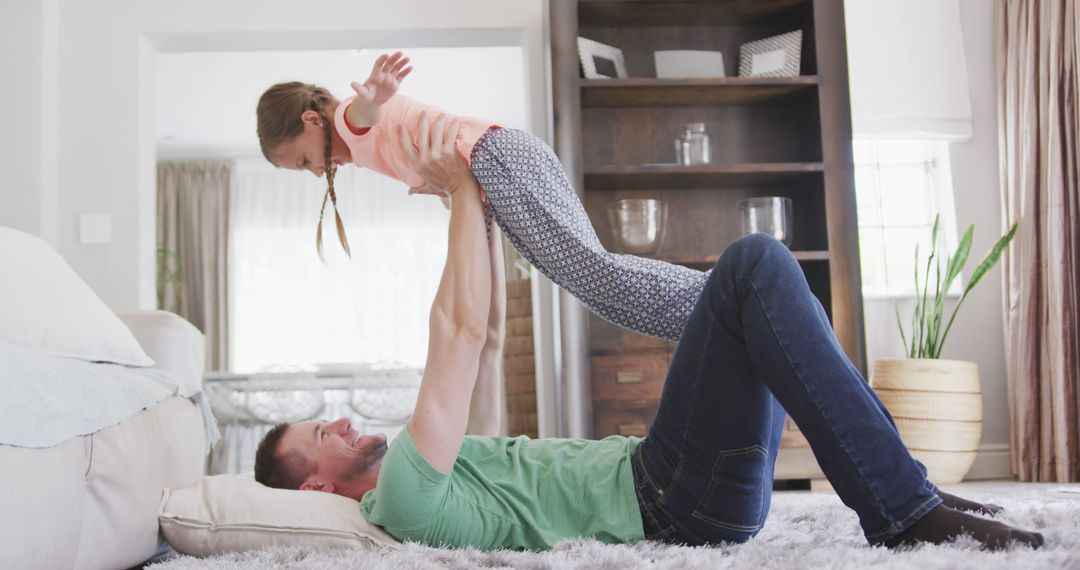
804,530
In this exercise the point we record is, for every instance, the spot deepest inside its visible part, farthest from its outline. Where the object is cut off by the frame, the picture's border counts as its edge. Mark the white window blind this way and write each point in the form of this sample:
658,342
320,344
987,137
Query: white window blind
908,75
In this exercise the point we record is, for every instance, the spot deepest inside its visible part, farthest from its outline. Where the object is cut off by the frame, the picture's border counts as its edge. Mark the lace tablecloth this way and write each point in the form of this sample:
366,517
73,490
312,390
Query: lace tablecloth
377,398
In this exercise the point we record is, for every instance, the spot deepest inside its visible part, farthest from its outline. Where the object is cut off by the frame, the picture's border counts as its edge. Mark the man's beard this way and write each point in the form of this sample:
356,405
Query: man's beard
370,456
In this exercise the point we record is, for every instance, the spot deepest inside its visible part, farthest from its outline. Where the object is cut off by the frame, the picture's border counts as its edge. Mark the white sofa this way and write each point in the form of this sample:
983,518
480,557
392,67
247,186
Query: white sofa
92,501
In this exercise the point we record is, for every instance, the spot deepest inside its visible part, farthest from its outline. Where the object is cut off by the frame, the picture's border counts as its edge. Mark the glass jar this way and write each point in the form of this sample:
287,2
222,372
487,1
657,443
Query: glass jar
767,214
692,147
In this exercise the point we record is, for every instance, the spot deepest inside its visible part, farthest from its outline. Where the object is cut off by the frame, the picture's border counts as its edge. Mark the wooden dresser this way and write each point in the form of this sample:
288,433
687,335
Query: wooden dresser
627,373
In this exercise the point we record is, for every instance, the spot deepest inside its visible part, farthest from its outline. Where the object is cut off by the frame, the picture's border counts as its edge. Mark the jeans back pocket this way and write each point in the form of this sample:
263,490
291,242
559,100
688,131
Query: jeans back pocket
735,497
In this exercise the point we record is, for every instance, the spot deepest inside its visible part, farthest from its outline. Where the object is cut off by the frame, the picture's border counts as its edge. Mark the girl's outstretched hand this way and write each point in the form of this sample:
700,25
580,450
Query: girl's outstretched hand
386,76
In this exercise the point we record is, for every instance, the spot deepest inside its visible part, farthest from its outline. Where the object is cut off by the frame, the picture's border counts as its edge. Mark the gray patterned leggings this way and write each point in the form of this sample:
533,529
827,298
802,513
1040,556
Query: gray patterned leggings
538,210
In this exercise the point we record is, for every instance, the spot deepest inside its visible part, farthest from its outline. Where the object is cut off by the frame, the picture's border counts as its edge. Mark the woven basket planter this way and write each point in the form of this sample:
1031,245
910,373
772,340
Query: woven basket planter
937,406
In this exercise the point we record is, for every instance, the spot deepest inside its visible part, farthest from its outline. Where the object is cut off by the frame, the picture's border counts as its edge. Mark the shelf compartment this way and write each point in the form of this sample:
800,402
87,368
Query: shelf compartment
681,12
672,176
655,92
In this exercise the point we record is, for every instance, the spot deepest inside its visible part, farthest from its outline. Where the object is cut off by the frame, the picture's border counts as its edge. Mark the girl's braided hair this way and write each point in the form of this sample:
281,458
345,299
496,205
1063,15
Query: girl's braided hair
278,121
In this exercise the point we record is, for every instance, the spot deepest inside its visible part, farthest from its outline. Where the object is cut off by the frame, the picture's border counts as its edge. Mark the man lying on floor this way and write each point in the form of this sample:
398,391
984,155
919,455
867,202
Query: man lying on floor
757,343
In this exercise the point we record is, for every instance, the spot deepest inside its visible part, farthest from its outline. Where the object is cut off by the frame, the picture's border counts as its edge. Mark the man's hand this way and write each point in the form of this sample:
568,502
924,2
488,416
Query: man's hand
437,159
383,83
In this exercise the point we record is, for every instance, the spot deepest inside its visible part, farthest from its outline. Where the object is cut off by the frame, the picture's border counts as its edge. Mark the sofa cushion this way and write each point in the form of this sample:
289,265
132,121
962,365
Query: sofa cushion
234,513
92,501
46,307
173,343
131,464
43,493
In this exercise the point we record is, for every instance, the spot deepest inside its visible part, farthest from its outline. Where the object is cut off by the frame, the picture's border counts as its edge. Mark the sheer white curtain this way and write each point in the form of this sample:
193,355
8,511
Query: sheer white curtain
288,307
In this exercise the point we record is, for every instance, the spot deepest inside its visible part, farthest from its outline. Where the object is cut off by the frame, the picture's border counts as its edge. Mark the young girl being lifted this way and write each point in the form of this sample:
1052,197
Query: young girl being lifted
303,127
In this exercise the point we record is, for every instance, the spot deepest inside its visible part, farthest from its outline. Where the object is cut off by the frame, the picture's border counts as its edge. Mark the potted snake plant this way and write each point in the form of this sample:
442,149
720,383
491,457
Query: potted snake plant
937,403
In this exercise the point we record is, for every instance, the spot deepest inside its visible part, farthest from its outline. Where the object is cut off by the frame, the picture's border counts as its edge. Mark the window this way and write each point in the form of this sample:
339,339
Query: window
900,186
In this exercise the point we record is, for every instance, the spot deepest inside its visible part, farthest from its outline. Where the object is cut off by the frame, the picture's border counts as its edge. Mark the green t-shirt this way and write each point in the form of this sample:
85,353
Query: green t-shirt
514,493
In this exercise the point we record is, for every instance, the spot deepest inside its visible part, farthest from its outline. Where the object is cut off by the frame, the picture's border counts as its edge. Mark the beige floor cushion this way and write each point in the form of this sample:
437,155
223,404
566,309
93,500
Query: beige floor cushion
234,513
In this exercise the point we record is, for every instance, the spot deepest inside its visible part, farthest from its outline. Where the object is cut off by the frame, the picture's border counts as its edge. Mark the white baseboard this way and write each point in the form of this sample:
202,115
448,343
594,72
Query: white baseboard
992,462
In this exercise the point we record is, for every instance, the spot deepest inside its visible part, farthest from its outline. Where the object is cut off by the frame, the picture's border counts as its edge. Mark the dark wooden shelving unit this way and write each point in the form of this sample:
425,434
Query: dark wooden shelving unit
787,136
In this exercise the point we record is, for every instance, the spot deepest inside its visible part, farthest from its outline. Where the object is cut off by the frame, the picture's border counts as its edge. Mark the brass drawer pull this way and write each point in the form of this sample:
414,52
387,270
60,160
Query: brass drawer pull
629,377
637,430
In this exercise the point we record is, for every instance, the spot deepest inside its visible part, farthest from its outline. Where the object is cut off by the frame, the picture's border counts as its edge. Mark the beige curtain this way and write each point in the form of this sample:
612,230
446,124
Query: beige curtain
193,245
1038,114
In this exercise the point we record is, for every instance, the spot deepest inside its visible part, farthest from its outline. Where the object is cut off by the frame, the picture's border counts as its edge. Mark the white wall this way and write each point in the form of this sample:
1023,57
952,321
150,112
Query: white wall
101,56
979,331
20,110
27,46
978,334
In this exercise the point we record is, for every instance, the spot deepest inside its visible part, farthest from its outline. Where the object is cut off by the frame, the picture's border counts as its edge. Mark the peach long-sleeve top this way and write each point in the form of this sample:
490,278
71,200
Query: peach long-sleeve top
380,147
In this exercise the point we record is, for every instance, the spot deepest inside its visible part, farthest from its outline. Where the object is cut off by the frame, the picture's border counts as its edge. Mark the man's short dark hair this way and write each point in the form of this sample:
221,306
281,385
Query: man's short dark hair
277,470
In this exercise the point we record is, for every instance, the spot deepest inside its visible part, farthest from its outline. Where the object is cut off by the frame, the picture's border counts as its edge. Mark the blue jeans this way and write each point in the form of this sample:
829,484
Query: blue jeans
758,343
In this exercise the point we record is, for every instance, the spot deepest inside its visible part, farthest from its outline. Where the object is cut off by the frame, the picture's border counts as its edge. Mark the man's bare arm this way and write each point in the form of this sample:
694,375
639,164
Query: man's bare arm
486,411
459,314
